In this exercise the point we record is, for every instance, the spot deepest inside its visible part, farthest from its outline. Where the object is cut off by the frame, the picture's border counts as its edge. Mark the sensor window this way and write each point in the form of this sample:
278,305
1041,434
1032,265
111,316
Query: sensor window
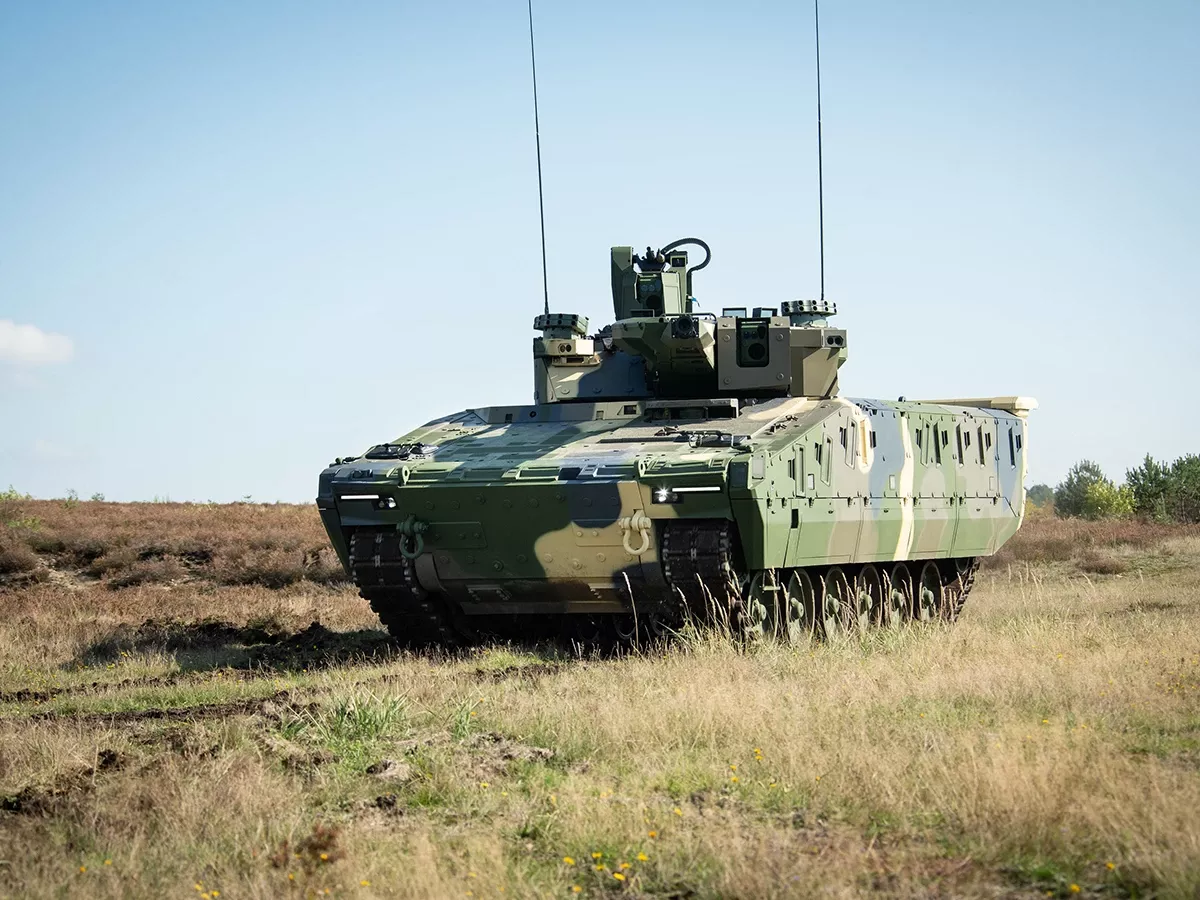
753,348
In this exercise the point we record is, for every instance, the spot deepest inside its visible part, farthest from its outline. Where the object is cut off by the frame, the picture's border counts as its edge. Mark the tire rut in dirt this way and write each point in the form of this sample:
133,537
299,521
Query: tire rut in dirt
194,712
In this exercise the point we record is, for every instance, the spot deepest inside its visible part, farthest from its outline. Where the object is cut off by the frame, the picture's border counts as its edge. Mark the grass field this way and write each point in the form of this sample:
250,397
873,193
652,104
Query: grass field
192,704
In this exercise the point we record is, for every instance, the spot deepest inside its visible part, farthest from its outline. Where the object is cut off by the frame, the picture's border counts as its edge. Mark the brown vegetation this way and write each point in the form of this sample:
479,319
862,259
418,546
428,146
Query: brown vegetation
1045,538
128,544
194,733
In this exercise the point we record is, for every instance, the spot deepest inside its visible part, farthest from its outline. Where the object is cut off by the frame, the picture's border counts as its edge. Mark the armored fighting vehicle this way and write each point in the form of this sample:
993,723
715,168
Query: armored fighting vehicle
680,465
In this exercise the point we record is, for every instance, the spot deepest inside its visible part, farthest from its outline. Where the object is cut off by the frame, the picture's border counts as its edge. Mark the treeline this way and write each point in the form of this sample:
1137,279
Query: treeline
1159,491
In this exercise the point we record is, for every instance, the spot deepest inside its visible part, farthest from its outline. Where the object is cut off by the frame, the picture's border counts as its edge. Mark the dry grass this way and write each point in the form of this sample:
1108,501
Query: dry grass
172,734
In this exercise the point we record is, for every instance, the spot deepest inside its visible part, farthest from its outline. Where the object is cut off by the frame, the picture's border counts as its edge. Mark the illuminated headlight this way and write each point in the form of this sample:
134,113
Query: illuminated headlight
386,503
664,494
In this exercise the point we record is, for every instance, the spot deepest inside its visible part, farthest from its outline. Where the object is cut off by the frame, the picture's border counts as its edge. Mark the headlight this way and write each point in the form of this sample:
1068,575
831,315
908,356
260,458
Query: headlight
664,495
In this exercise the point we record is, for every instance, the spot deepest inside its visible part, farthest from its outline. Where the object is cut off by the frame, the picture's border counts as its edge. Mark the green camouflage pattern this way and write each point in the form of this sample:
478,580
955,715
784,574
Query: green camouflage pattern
560,506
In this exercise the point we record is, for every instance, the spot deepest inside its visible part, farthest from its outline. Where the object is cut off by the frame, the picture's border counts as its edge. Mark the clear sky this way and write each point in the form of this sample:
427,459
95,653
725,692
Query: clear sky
239,239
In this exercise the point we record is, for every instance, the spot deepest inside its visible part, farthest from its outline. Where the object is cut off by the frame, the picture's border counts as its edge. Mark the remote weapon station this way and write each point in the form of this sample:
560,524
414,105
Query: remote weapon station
680,464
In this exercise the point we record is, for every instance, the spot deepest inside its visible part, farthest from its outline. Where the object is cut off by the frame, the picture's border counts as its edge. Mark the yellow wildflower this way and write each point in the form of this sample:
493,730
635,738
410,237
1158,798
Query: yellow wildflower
1075,889
734,779
652,834
82,869
642,857
618,876
365,883
1110,866
324,857
570,861
597,855
576,889
677,811
108,862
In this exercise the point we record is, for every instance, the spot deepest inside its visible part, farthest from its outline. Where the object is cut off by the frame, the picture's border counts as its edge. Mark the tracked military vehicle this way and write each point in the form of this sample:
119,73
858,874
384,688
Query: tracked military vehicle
680,465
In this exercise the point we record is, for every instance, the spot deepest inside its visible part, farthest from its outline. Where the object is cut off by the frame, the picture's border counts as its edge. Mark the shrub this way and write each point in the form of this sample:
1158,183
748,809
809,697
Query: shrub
1104,500
1100,564
15,555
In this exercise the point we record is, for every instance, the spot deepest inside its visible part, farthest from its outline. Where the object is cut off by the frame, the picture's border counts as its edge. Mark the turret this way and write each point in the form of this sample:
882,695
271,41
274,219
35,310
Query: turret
662,346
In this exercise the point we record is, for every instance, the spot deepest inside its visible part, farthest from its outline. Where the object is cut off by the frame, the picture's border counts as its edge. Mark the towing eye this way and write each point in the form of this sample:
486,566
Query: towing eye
412,533
639,521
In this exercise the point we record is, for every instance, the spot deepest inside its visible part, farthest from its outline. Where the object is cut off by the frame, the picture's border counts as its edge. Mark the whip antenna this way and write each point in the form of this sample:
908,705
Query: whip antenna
820,173
537,135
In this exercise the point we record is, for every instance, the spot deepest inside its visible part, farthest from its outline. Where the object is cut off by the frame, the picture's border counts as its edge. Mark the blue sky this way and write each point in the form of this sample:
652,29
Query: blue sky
252,237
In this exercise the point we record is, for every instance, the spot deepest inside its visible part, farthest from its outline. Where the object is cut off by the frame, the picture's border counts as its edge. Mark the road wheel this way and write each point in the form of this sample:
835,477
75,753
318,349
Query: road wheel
898,592
798,614
757,617
928,601
868,590
840,604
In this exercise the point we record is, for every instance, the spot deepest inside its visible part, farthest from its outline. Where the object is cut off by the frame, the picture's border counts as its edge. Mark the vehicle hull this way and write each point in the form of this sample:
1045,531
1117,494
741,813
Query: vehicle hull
565,509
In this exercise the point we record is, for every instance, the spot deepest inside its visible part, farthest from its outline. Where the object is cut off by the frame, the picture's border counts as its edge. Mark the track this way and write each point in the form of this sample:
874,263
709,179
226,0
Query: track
700,563
386,579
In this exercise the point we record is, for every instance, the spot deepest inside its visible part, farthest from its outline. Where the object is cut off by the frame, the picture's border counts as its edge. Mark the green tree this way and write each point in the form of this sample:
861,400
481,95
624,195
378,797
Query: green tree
1167,493
1070,497
1149,483
1183,489
1040,494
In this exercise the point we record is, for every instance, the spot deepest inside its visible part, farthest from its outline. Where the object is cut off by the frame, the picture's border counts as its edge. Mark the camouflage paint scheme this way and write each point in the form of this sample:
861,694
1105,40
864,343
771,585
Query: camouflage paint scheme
559,506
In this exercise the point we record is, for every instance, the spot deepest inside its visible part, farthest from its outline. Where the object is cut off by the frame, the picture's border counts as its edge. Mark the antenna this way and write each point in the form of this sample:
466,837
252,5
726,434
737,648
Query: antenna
820,173
537,134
